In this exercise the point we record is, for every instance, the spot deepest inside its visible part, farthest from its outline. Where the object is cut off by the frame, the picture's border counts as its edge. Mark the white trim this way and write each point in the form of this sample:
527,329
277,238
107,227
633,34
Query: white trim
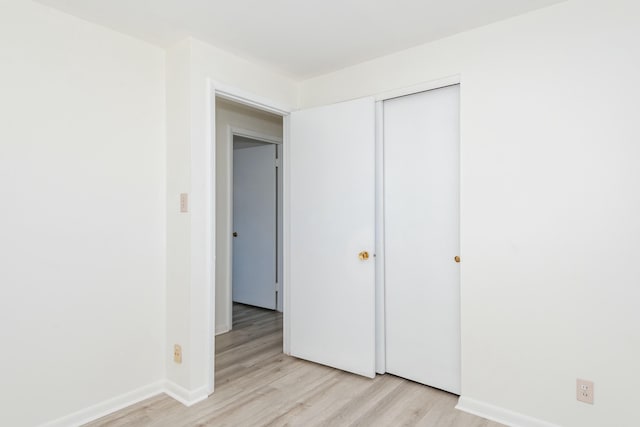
222,329
379,254
246,133
228,284
421,87
498,414
286,234
108,406
210,231
246,98
280,228
184,396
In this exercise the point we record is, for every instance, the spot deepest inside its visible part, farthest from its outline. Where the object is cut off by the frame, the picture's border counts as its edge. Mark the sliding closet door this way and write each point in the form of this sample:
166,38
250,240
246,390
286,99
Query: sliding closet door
332,235
422,283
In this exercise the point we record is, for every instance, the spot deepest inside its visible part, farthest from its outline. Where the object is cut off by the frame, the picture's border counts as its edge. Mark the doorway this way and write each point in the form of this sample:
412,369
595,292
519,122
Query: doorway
249,207
249,130
256,229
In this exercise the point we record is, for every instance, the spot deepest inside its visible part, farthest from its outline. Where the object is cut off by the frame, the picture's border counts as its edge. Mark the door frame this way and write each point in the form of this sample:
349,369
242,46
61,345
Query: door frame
216,89
257,136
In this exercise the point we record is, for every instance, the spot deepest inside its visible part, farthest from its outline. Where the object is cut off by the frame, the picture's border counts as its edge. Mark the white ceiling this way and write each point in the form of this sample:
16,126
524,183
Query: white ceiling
302,38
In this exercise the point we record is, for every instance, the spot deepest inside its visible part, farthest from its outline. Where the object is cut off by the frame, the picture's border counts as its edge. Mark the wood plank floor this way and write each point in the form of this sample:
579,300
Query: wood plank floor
257,385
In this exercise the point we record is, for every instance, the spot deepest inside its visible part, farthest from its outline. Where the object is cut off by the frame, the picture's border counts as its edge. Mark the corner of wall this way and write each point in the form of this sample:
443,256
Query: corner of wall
184,396
178,225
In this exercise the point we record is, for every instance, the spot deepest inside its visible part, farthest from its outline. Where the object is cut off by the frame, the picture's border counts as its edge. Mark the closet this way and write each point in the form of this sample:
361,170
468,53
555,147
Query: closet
404,316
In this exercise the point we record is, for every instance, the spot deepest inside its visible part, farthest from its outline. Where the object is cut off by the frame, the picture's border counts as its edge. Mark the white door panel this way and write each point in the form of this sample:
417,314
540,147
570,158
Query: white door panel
254,221
332,209
422,280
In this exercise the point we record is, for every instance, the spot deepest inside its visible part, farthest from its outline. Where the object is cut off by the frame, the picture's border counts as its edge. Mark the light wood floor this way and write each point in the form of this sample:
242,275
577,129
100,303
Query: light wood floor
257,385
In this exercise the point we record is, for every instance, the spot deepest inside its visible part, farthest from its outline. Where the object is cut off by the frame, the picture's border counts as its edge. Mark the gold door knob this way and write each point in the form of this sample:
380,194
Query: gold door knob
235,234
364,255
456,258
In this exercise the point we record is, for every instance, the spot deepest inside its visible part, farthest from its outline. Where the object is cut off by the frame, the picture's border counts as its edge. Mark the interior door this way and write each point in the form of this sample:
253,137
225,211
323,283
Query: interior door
332,235
422,282
254,226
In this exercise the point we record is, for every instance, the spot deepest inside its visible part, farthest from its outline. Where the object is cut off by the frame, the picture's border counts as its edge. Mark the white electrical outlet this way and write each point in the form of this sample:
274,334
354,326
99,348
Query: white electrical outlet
584,391
177,353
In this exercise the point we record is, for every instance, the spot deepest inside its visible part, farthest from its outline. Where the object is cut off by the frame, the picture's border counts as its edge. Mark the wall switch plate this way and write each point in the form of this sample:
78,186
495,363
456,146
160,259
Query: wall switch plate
184,202
177,353
584,391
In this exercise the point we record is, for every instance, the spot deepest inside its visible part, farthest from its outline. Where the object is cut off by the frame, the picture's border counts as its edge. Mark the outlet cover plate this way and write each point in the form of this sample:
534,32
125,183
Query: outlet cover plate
584,391
177,353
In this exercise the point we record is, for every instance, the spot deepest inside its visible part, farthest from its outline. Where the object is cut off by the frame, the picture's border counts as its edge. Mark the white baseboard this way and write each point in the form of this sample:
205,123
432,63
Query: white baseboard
108,406
501,415
222,329
184,396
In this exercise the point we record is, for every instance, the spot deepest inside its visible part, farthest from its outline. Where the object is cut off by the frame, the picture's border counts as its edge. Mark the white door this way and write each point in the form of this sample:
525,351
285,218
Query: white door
422,282
332,208
254,226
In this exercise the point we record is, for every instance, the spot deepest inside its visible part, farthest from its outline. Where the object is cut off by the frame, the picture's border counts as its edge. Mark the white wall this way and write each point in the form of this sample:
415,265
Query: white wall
549,215
550,202
235,115
82,228
193,68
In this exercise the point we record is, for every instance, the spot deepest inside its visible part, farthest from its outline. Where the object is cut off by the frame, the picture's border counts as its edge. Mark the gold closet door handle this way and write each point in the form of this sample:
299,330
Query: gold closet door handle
364,255
456,258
